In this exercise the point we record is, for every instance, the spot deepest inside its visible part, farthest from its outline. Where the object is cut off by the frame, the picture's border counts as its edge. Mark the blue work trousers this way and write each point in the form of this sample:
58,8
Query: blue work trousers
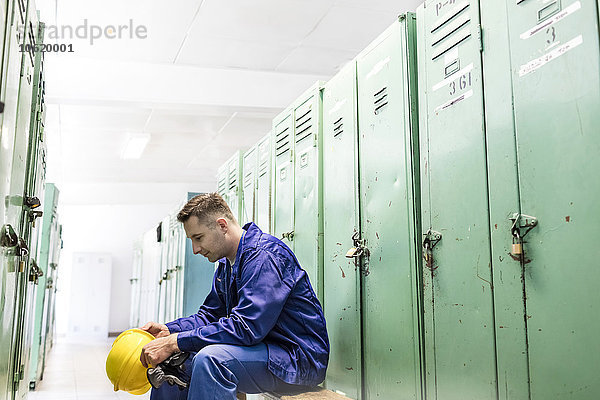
220,371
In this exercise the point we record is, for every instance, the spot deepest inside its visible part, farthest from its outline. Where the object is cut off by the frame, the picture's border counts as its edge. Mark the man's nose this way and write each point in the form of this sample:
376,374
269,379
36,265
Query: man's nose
196,249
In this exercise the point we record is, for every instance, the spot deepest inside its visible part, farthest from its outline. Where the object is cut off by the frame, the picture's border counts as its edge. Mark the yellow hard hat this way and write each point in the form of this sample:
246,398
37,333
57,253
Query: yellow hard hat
123,365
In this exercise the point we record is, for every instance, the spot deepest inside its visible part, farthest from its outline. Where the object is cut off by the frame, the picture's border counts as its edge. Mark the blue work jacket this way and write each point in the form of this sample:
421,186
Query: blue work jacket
264,297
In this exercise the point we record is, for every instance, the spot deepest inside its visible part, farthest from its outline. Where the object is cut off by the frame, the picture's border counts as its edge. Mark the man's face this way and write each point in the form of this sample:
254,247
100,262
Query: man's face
206,240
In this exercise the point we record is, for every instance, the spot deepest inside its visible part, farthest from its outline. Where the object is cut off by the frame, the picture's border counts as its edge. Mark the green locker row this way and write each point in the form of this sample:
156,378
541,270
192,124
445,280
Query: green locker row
30,234
168,281
440,193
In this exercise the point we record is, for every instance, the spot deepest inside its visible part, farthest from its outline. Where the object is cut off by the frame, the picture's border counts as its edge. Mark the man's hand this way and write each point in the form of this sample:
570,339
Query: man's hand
155,329
159,350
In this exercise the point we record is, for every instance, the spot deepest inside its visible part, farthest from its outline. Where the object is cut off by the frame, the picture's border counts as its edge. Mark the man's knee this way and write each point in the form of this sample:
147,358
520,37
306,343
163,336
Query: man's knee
212,355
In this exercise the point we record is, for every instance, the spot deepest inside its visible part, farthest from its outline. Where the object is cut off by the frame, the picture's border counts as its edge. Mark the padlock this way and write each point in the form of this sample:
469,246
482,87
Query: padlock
351,252
517,246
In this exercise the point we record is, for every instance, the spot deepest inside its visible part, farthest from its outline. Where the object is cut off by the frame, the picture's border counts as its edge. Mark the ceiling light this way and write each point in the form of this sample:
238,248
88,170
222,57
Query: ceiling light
135,145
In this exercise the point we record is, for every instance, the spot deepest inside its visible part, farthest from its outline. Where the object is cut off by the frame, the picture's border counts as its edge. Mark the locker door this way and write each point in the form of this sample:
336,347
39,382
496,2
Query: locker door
9,89
263,185
388,212
134,314
235,185
222,181
460,343
308,200
283,208
556,89
249,186
45,286
341,275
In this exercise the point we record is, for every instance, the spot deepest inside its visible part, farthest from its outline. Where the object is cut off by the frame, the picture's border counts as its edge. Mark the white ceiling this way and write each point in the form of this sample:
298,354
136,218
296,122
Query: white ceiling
206,81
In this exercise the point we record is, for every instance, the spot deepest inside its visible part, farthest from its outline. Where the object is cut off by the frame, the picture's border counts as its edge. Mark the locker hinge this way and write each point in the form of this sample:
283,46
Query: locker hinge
16,378
480,37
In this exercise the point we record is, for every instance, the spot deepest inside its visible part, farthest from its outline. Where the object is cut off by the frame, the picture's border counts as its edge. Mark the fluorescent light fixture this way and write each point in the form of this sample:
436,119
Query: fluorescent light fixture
135,145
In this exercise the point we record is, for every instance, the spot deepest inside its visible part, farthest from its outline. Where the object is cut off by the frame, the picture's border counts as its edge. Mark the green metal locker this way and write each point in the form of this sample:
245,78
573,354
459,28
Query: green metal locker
222,181
341,274
19,210
185,278
47,260
389,209
511,350
249,170
263,184
283,181
31,286
234,189
554,62
136,284
48,322
308,184
150,290
458,283
163,284
9,259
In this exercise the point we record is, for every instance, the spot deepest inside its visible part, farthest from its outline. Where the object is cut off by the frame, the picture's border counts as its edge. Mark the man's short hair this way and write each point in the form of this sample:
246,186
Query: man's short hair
204,206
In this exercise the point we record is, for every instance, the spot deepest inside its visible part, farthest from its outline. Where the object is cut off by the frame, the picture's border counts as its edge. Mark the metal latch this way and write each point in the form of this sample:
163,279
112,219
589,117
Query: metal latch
32,202
520,222
432,238
22,249
288,235
35,272
358,248
33,215
8,236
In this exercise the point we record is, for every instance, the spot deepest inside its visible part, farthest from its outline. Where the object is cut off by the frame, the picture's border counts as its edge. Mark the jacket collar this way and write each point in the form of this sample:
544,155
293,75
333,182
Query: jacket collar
252,236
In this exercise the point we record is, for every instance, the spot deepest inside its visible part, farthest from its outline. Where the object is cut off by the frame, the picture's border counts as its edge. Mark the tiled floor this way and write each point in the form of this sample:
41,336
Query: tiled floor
75,371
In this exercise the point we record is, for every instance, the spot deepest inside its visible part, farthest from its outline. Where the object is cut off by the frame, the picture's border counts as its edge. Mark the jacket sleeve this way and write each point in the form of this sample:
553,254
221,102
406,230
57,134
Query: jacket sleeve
263,291
209,312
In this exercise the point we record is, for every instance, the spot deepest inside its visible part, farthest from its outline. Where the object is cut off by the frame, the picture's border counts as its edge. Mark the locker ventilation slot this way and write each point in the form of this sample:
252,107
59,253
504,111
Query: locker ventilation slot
31,43
263,168
22,10
222,185
450,33
338,127
381,100
453,34
233,179
248,179
304,125
282,143
444,21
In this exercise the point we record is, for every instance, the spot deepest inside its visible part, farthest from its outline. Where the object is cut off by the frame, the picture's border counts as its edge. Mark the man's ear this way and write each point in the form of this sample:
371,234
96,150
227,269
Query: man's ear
222,225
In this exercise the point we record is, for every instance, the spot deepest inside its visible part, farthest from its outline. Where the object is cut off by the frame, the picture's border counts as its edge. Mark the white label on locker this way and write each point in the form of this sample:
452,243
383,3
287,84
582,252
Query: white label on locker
337,106
303,160
546,58
452,77
545,24
282,174
378,67
454,101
